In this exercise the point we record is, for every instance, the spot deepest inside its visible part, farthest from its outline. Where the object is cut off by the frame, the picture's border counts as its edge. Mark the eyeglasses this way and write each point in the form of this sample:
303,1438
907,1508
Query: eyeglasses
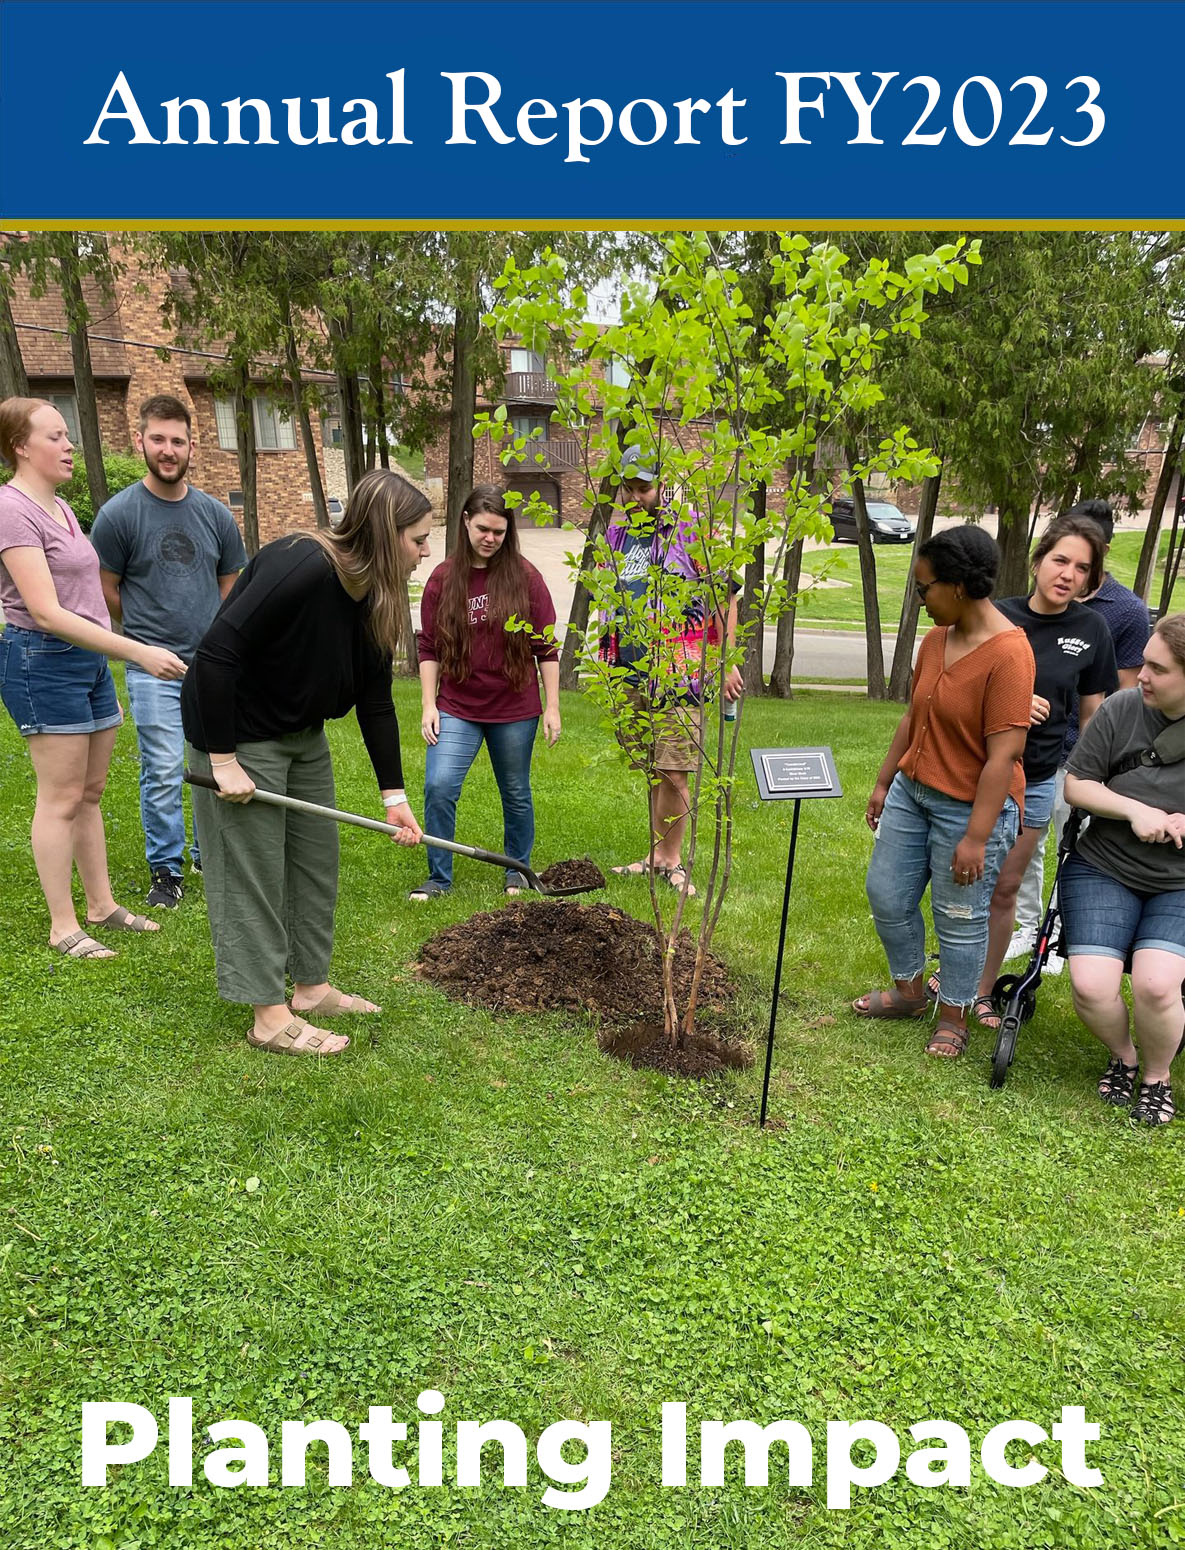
921,588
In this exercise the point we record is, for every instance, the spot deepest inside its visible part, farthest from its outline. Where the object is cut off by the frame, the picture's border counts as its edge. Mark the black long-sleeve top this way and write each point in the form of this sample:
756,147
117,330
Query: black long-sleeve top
288,650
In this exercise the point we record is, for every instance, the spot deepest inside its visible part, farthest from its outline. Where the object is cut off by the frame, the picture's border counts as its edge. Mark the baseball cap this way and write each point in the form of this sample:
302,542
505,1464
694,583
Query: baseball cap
640,465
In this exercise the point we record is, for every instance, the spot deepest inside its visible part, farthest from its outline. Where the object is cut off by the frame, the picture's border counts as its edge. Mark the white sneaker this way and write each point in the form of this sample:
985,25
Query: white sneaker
1054,964
1021,945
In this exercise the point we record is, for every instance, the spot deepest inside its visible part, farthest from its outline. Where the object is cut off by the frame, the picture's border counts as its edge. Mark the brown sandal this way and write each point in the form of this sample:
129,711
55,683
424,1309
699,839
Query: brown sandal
121,919
890,1005
333,1004
948,1041
283,1041
79,944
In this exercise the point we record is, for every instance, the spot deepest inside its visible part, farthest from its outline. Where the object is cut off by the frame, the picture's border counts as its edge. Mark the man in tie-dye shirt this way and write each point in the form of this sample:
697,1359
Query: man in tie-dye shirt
665,734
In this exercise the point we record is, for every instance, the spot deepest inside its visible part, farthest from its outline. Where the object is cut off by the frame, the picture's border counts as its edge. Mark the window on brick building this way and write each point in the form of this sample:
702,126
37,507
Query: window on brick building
528,424
67,406
527,360
273,432
617,372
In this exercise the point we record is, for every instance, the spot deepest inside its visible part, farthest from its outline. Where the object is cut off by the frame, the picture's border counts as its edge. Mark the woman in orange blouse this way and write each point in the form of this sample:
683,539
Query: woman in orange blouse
948,798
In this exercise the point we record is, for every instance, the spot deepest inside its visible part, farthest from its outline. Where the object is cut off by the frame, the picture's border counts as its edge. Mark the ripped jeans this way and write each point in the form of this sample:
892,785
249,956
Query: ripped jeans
918,832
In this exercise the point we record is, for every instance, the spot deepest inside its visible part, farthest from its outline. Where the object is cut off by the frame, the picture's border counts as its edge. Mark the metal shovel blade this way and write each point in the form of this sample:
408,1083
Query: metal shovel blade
474,852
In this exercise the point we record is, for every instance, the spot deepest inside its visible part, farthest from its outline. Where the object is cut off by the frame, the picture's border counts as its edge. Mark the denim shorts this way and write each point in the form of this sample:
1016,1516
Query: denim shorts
1039,795
1104,919
48,685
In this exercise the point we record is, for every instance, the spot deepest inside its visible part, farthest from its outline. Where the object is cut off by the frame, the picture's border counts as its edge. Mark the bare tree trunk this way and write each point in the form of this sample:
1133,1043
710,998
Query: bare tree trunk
84,377
1172,560
248,466
466,324
1146,565
320,509
578,615
753,668
901,677
779,678
1013,538
13,381
409,665
350,400
875,649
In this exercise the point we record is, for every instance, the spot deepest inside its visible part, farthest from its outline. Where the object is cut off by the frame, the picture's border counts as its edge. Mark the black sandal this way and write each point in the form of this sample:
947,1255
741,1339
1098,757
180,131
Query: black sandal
1155,1104
1118,1083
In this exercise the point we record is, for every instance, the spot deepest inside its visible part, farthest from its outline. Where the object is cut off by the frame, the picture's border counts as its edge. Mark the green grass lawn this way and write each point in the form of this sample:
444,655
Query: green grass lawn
487,1206
842,607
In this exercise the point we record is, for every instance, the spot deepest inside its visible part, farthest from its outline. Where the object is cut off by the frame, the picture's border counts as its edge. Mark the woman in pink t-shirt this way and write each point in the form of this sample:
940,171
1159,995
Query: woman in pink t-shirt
479,683
54,678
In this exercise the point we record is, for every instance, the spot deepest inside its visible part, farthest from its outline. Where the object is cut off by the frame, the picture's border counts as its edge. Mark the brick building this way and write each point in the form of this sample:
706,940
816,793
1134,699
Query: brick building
126,331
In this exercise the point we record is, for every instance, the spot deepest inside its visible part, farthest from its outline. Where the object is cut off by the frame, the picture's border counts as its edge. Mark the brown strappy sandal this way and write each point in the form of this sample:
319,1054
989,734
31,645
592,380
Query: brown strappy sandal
284,1040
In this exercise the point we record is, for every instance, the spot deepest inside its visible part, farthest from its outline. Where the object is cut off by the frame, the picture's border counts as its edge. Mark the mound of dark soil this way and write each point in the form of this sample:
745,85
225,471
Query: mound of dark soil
537,957
584,873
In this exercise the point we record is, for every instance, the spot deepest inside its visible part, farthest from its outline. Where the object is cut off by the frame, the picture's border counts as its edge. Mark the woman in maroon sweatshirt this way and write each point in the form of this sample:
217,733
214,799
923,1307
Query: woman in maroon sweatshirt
480,682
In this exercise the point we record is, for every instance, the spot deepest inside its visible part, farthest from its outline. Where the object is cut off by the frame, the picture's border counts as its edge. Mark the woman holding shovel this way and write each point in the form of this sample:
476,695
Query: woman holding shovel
308,633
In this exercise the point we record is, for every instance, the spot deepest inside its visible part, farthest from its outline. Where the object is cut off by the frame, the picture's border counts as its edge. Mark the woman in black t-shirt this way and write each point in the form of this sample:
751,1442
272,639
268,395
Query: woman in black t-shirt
1075,659
308,633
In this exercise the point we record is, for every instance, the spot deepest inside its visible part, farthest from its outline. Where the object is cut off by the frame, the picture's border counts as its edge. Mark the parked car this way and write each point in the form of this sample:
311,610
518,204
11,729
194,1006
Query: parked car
887,523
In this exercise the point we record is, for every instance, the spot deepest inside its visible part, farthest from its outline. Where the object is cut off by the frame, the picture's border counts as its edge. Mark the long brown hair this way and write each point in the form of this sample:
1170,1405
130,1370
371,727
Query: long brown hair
508,593
365,548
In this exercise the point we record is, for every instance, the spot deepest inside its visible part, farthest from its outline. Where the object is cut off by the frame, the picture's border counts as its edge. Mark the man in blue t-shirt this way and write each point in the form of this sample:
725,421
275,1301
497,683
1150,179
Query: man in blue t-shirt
1126,617
168,555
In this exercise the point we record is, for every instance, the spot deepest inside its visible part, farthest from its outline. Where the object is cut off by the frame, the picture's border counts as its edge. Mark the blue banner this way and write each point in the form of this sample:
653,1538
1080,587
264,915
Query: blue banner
581,114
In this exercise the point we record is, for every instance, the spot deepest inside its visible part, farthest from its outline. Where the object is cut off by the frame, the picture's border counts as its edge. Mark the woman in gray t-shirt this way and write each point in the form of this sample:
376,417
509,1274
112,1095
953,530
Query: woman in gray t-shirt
1123,890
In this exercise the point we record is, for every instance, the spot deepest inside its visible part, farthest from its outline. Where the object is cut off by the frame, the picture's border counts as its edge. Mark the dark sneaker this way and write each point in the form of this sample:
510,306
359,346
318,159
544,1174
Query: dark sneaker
196,864
167,889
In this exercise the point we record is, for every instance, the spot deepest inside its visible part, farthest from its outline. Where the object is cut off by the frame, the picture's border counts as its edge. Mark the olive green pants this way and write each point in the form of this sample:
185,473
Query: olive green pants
270,874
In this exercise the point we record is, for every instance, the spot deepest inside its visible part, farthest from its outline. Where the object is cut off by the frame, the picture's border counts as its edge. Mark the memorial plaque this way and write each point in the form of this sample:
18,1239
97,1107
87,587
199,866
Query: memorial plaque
793,773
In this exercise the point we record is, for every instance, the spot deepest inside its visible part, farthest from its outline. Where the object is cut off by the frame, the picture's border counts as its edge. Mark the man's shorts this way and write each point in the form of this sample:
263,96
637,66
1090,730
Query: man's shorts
667,739
48,685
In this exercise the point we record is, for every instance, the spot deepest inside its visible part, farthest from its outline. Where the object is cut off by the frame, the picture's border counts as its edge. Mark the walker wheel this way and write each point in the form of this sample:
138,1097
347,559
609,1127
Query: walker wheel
1005,1044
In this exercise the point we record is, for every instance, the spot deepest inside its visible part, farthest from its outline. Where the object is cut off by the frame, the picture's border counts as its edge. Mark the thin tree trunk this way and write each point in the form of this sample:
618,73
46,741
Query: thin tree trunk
320,509
466,323
378,399
14,383
248,465
901,677
409,665
779,678
1172,560
749,611
350,400
1146,565
1036,516
84,377
875,648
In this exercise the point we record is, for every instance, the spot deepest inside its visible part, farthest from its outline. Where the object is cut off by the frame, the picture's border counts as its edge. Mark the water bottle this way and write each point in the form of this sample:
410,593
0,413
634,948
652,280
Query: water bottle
730,709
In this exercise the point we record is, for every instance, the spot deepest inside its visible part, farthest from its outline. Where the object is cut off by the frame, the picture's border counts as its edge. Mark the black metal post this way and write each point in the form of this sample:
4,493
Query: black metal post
773,1011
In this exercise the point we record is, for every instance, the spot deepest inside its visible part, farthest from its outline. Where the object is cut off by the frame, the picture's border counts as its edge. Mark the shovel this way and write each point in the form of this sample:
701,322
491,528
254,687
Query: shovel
273,799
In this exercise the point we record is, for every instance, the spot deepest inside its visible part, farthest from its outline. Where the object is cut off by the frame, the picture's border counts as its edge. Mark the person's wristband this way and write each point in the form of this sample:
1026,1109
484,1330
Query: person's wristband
216,764
396,799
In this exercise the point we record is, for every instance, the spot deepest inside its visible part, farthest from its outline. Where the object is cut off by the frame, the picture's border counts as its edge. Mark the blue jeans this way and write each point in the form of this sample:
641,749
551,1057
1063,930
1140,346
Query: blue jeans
449,760
919,830
156,710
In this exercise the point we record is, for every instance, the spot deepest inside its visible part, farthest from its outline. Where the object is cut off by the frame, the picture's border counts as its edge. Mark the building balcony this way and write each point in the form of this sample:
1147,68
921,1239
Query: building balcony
553,455
529,387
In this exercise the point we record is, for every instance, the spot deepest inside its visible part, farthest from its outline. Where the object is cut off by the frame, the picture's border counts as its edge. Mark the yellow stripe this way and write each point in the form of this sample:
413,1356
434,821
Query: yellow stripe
696,223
